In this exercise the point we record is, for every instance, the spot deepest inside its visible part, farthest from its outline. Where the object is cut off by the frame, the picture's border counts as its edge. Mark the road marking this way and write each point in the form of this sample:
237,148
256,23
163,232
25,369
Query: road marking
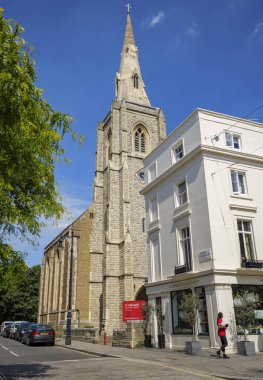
11,352
188,371
5,347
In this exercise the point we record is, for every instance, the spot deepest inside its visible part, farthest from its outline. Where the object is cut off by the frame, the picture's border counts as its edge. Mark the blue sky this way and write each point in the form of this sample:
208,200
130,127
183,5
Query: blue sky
192,53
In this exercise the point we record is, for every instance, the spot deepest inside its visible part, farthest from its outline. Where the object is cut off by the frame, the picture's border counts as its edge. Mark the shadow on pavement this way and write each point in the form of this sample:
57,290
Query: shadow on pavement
25,371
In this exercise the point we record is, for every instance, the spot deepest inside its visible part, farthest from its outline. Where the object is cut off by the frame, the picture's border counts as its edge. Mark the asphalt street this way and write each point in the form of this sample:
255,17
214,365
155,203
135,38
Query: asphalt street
18,361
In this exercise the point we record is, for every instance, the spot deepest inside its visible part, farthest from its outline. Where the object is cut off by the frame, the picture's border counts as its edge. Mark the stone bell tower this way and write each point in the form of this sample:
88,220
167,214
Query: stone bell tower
130,130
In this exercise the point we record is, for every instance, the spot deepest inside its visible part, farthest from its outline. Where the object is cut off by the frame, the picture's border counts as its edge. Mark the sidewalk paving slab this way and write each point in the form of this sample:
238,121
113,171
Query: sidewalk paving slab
238,367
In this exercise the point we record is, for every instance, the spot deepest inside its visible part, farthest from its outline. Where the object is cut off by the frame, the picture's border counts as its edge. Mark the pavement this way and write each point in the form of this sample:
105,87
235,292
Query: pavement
207,365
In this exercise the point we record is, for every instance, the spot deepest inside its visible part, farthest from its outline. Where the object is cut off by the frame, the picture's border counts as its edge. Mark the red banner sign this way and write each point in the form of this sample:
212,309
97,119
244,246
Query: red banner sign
132,310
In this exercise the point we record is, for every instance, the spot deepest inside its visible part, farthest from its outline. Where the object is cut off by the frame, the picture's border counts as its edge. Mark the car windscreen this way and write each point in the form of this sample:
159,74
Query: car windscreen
41,328
25,325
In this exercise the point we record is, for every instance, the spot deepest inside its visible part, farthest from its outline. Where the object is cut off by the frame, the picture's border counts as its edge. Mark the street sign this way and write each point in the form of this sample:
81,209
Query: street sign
205,255
132,310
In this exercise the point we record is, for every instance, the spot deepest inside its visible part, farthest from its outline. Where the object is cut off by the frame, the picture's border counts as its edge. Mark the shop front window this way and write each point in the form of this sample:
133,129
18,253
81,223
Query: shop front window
180,327
257,328
202,312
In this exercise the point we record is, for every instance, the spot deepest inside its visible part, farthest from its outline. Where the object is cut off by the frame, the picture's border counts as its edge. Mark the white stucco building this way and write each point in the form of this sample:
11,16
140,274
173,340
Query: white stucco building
204,217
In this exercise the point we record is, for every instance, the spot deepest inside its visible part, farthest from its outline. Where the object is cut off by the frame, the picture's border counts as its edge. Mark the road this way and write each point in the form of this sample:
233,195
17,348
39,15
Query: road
18,361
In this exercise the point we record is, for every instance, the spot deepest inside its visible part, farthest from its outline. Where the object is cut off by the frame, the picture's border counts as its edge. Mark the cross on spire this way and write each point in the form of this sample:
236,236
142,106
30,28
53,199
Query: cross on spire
128,8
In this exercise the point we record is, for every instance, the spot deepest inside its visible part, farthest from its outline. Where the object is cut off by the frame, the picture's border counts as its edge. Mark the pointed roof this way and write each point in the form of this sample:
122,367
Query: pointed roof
129,83
128,36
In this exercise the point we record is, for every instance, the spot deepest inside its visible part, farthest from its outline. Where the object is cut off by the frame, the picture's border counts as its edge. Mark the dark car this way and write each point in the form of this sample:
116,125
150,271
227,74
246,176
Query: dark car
21,328
37,333
6,330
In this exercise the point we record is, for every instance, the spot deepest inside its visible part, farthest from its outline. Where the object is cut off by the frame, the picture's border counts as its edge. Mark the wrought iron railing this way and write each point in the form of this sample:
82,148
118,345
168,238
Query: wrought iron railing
252,264
182,269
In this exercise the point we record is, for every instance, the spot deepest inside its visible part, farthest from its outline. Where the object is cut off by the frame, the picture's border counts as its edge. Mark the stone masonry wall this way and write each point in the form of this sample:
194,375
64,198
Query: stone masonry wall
90,335
128,337
118,245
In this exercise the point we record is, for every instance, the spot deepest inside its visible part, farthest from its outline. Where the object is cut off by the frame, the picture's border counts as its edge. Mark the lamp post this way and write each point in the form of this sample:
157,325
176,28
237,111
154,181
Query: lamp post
69,314
69,308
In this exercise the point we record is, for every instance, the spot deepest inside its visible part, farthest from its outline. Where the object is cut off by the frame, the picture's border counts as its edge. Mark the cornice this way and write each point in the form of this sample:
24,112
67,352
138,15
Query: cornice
242,207
191,276
202,151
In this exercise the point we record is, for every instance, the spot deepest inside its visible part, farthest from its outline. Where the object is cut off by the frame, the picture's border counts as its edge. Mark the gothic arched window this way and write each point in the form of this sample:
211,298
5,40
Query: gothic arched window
140,140
142,143
136,81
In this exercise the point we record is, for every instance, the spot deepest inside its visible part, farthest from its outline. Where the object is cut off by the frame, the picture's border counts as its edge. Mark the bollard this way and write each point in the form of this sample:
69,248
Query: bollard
105,338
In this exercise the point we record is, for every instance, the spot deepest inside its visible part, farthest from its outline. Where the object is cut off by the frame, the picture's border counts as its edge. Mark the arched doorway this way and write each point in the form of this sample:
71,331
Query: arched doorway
141,294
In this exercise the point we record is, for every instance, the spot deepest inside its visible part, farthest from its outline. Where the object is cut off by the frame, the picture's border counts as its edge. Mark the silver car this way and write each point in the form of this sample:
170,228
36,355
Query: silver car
14,326
3,325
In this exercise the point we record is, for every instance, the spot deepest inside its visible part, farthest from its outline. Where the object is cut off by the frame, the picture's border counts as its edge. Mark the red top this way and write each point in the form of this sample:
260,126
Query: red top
221,329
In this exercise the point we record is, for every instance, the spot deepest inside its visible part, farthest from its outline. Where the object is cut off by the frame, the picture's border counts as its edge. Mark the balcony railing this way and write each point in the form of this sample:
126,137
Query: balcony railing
252,264
182,269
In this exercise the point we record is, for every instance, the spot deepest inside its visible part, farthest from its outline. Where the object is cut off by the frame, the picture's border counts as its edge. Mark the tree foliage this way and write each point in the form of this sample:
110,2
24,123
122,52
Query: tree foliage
245,304
19,289
147,313
31,135
158,310
190,304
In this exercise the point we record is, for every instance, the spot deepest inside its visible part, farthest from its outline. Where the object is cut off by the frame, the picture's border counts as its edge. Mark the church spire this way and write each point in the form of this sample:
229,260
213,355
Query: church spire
129,83
128,36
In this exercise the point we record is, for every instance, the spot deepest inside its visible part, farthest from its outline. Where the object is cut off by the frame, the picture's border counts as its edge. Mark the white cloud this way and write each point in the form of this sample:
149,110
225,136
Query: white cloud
153,20
258,29
192,31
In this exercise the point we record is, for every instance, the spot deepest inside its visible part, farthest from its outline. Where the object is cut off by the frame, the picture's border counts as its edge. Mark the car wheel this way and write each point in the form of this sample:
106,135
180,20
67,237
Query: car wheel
28,342
52,344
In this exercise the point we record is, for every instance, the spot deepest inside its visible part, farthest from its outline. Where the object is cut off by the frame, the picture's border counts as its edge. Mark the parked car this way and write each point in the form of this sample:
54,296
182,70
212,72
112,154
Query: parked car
3,326
21,328
37,333
6,330
13,329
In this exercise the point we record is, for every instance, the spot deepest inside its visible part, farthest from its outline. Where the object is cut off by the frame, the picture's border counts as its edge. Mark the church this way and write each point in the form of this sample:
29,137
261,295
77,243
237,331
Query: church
103,252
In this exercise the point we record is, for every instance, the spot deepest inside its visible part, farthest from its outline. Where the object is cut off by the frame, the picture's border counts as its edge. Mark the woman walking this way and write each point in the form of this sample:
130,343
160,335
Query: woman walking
222,326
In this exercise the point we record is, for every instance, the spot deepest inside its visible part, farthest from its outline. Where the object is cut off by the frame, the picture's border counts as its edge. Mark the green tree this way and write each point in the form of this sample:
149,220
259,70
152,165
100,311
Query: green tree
19,290
12,271
246,304
190,304
147,313
31,136
25,297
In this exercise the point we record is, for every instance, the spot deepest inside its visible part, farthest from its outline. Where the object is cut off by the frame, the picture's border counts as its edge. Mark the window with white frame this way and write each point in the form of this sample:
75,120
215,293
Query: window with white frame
185,247
232,140
153,209
152,173
181,194
238,180
177,153
246,239
155,260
